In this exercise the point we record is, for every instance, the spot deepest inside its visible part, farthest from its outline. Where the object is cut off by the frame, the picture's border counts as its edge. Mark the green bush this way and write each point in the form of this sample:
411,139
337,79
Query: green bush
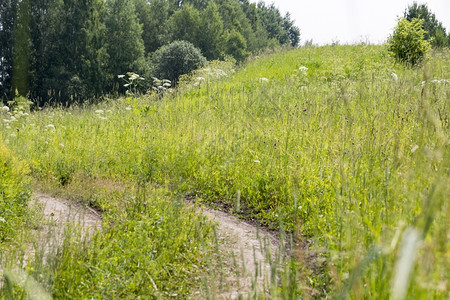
14,194
178,58
407,43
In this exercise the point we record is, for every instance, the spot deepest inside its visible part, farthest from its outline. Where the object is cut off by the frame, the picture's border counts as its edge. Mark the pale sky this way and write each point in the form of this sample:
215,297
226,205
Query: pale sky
352,21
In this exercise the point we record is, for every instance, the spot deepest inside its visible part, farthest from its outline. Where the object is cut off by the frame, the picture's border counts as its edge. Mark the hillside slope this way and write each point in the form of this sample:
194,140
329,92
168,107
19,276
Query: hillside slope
338,145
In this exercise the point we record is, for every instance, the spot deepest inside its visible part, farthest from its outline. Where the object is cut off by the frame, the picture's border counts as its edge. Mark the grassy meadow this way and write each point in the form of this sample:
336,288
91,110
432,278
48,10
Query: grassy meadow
339,146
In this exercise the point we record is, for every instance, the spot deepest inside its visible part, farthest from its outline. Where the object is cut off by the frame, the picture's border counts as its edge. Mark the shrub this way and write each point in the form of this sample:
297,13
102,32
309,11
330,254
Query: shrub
175,59
407,43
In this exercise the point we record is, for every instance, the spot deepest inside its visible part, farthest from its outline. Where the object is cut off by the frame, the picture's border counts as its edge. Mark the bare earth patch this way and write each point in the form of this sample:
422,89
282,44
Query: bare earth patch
245,250
62,212
58,213
247,253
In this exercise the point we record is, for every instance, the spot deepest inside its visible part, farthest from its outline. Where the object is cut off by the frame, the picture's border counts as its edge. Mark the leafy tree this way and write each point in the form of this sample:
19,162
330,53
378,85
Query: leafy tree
8,13
407,43
125,46
236,45
153,16
251,11
95,58
293,32
177,58
434,30
185,24
211,28
280,28
235,19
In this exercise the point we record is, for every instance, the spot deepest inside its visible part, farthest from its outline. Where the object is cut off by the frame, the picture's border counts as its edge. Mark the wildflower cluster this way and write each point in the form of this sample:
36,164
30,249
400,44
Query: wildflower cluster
160,86
16,111
132,82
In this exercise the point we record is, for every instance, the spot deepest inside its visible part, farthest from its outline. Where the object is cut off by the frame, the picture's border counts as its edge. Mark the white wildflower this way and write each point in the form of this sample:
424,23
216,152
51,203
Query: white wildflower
99,111
134,76
50,126
220,72
128,108
5,108
439,81
394,76
303,69
264,79
6,120
257,161
120,76
13,135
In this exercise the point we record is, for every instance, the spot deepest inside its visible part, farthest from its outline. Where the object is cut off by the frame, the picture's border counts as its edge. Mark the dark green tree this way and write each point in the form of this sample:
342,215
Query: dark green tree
280,28
125,46
235,45
185,25
8,14
293,32
262,39
153,16
211,30
434,30
235,19
95,58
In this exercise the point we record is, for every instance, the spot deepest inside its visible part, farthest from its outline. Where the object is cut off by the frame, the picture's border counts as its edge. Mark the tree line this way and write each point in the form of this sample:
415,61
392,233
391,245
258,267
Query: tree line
64,51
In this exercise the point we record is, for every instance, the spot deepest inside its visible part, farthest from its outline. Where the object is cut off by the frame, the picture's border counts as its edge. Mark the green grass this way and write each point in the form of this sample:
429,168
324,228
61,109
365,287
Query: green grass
341,154
14,195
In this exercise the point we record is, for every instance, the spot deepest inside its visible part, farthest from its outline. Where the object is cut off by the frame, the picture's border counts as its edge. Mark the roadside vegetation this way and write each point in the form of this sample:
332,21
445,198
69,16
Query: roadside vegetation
340,146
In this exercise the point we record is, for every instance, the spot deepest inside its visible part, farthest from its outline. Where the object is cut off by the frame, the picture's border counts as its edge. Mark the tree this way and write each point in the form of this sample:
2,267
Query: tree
8,13
211,28
273,23
236,45
153,16
125,46
407,43
185,25
293,32
434,31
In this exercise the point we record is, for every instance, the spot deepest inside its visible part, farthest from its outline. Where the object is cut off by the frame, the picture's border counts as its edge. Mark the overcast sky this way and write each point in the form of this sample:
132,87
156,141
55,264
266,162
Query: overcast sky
352,21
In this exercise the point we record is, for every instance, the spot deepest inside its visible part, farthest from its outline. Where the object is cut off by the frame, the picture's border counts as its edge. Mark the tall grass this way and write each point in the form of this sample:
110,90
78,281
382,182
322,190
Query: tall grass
325,143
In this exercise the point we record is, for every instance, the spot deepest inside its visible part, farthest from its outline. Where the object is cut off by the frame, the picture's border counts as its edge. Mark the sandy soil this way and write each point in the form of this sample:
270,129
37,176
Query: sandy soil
61,212
251,247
